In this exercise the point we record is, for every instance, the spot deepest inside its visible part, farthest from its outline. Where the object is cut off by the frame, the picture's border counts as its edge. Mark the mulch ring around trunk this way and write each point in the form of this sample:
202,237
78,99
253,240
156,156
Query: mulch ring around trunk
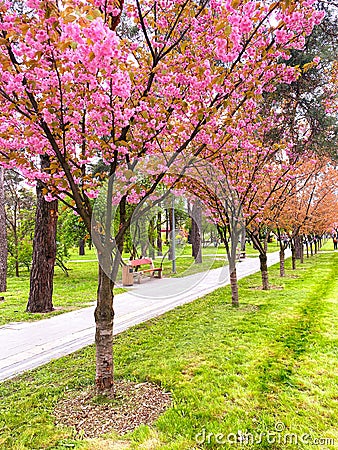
93,415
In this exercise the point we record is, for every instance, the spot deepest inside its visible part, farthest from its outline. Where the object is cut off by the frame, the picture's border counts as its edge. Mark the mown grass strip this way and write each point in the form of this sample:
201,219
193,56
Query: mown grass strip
270,363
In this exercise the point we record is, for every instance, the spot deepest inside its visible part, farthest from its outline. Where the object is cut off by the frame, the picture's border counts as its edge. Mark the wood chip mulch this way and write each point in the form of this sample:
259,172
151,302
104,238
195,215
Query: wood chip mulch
92,415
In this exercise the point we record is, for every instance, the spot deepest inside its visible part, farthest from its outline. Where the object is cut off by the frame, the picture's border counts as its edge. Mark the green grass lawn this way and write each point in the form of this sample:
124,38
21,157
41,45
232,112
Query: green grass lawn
79,289
73,292
268,365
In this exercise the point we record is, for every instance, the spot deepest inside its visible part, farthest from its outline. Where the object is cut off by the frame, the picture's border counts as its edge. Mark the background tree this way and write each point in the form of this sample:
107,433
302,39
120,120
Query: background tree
313,191
70,232
3,236
44,249
196,231
20,220
306,120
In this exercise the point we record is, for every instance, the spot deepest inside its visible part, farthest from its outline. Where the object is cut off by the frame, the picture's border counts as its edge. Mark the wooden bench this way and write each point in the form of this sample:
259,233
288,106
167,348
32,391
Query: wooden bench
137,263
240,255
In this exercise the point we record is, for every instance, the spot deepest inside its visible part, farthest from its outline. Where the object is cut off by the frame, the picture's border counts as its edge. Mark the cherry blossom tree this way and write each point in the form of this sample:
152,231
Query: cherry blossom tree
306,209
73,89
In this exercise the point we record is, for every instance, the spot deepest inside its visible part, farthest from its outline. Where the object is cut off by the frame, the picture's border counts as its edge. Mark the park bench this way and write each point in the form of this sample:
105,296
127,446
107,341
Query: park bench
240,255
138,263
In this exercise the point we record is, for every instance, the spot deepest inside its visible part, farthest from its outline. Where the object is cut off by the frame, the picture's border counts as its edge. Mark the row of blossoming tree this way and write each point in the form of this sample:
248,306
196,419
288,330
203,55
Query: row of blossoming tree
176,81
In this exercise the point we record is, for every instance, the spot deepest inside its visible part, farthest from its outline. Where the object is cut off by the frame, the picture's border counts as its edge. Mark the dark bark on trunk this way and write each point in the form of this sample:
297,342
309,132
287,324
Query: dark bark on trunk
231,255
3,236
44,252
262,258
243,241
234,287
196,228
81,247
16,251
266,241
293,257
104,319
264,271
298,242
17,273
169,227
282,263
159,237
152,239
302,251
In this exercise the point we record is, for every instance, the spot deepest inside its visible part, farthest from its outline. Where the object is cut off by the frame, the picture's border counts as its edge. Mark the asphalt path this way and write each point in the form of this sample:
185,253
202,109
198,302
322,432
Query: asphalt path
27,345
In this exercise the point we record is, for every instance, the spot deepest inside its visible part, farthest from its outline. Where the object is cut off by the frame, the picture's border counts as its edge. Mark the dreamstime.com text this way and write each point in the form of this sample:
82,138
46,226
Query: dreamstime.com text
279,435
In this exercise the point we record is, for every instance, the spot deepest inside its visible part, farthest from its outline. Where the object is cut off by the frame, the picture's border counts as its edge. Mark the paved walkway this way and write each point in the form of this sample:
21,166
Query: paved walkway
26,345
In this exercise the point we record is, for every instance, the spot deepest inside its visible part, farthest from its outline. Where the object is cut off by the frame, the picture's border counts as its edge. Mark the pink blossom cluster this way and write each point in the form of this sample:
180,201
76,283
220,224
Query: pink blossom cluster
190,81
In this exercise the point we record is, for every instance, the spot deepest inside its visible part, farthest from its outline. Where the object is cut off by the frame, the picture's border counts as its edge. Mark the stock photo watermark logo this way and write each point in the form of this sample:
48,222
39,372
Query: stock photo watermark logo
279,434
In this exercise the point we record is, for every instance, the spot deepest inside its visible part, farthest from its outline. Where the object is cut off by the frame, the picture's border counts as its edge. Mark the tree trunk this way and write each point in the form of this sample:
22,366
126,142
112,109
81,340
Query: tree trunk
152,235
167,226
264,271
196,223
104,319
159,237
234,287
243,241
298,242
3,236
302,251
81,247
266,241
282,263
16,251
44,252
293,257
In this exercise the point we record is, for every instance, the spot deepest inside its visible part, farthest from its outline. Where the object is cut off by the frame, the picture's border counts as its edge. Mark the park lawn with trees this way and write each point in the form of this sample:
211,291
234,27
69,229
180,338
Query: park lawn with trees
101,101
272,360
78,290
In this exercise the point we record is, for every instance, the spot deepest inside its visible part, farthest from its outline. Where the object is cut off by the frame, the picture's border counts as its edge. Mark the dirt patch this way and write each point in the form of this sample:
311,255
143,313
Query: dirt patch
93,415
271,287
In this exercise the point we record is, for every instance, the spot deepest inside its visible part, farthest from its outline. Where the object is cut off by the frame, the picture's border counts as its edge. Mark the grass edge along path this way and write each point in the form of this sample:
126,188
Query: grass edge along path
79,290
265,371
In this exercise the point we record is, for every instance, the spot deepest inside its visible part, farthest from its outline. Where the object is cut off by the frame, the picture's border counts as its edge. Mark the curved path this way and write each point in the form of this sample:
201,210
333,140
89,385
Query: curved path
27,345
